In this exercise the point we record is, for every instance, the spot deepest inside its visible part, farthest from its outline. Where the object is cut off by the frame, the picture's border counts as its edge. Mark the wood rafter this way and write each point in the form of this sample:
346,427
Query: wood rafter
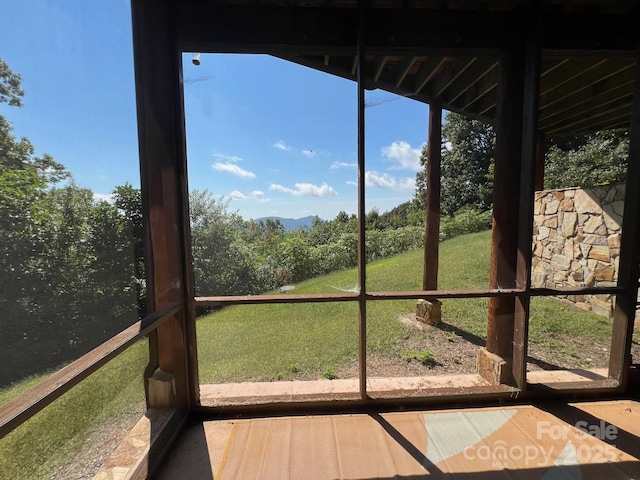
550,64
585,99
605,70
427,71
468,79
378,67
597,121
567,72
592,110
403,68
481,90
450,75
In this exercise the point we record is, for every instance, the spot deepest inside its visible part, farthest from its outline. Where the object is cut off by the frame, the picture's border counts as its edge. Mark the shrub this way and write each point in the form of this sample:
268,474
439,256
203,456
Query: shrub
466,220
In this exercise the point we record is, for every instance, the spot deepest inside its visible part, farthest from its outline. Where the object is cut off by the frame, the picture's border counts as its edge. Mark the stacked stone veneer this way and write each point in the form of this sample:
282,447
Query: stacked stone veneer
576,241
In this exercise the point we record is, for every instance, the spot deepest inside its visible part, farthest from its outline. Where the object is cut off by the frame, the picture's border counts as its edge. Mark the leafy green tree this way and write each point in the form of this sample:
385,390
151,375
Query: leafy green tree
295,263
586,160
10,86
24,221
70,271
128,202
222,262
467,165
320,232
405,214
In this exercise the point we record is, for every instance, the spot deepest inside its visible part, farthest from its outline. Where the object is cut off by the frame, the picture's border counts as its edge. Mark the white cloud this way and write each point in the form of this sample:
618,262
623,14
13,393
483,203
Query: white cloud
351,182
315,191
103,197
337,165
407,158
306,189
227,158
233,169
282,146
256,196
309,153
375,179
279,188
237,195
259,197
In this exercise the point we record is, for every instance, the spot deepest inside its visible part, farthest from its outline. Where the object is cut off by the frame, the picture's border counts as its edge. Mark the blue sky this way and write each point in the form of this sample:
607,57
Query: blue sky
268,136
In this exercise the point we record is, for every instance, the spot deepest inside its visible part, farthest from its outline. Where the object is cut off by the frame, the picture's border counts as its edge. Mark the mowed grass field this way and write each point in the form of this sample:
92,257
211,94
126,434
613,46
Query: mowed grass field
110,399
309,341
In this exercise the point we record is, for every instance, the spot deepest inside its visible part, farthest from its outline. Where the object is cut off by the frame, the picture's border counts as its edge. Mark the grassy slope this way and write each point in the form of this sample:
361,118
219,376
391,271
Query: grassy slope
51,437
269,342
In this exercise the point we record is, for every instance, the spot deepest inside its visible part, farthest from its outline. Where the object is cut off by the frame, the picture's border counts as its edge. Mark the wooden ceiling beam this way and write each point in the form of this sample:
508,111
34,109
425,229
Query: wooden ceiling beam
599,93
403,68
610,124
211,27
549,64
340,66
609,69
568,72
378,66
484,66
450,75
488,109
427,71
603,121
592,110
482,95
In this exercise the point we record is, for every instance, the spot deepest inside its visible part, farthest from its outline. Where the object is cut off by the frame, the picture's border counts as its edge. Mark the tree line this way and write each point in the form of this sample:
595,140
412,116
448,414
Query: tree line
72,268
232,256
571,160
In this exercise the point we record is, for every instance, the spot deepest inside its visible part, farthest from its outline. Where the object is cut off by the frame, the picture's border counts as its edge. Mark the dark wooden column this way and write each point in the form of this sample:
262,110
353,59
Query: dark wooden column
158,68
624,312
432,199
506,195
531,172
362,253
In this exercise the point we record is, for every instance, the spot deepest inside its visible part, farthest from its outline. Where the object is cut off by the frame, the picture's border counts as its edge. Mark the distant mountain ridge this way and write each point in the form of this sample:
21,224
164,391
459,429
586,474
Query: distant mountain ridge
290,223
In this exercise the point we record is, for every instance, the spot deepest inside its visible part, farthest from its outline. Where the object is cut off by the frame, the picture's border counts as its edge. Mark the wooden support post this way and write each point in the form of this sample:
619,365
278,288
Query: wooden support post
432,200
362,254
506,195
158,69
426,310
531,172
628,275
541,150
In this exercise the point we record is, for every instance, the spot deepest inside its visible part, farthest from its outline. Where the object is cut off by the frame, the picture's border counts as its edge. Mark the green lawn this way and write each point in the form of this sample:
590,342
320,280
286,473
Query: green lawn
301,341
50,439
